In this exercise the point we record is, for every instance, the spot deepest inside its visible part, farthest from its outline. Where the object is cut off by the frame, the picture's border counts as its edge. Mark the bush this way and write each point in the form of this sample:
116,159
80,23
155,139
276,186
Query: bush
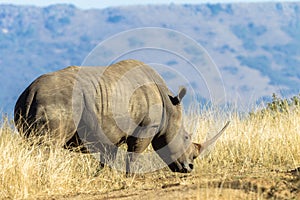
283,105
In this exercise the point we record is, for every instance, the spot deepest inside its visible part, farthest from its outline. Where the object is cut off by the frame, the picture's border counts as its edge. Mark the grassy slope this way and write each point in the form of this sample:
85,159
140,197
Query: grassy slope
254,155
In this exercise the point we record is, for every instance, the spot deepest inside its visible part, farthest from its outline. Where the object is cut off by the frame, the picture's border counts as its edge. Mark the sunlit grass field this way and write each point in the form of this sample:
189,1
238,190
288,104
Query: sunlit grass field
254,146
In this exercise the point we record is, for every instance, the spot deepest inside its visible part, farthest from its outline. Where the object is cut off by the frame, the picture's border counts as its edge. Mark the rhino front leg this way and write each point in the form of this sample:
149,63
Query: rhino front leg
135,147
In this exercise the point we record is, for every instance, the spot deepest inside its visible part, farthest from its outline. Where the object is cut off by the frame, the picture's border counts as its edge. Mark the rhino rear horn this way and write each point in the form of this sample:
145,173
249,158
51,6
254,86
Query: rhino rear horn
196,150
177,99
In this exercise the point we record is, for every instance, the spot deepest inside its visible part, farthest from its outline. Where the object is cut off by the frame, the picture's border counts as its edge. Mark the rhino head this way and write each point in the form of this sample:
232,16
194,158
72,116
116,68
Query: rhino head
175,145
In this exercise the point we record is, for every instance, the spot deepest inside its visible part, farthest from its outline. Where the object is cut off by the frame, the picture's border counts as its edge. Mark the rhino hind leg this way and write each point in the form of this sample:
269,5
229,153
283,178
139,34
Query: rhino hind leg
76,144
108,154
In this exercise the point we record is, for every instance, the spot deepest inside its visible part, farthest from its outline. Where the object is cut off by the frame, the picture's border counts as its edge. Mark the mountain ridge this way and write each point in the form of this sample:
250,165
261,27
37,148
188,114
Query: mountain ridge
255,46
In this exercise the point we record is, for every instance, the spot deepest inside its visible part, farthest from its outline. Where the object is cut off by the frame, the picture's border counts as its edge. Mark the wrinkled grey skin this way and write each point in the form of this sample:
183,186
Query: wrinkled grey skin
100,108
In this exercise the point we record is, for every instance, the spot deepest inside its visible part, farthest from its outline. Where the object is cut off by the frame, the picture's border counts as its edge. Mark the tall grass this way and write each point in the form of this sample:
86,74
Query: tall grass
30,170
259,142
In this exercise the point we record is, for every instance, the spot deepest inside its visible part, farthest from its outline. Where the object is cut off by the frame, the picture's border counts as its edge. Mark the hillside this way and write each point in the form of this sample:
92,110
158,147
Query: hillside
255,46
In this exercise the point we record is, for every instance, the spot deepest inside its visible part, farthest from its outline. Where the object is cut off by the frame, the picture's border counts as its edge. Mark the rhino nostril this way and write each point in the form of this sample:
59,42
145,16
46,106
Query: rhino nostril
191,166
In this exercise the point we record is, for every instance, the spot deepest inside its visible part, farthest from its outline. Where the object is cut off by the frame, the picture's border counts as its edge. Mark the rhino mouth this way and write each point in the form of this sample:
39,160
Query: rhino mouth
181,168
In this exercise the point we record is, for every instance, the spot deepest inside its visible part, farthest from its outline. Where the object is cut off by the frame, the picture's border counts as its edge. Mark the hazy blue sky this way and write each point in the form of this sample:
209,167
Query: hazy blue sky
107,3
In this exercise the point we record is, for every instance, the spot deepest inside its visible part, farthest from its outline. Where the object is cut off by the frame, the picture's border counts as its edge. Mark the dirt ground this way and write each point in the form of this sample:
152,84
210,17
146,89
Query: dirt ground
264,185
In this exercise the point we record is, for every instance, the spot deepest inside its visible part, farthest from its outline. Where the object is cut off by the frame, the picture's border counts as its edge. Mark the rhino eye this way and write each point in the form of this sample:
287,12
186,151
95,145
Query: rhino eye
186,137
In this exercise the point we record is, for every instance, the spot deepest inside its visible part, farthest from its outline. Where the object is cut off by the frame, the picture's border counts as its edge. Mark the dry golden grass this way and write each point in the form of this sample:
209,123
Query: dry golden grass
252,152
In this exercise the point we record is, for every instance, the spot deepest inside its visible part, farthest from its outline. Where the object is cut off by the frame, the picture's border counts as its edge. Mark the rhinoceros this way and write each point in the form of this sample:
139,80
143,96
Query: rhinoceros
100,108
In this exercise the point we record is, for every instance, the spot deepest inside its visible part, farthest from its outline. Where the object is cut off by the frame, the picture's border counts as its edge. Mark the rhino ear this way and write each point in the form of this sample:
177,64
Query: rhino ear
177,99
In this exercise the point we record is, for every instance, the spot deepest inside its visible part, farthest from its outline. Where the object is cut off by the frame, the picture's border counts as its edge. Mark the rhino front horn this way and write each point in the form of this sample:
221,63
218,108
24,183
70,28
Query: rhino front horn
206,144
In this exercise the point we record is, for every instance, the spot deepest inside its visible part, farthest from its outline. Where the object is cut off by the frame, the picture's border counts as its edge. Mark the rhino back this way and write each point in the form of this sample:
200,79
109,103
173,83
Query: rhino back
113,101
45,103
